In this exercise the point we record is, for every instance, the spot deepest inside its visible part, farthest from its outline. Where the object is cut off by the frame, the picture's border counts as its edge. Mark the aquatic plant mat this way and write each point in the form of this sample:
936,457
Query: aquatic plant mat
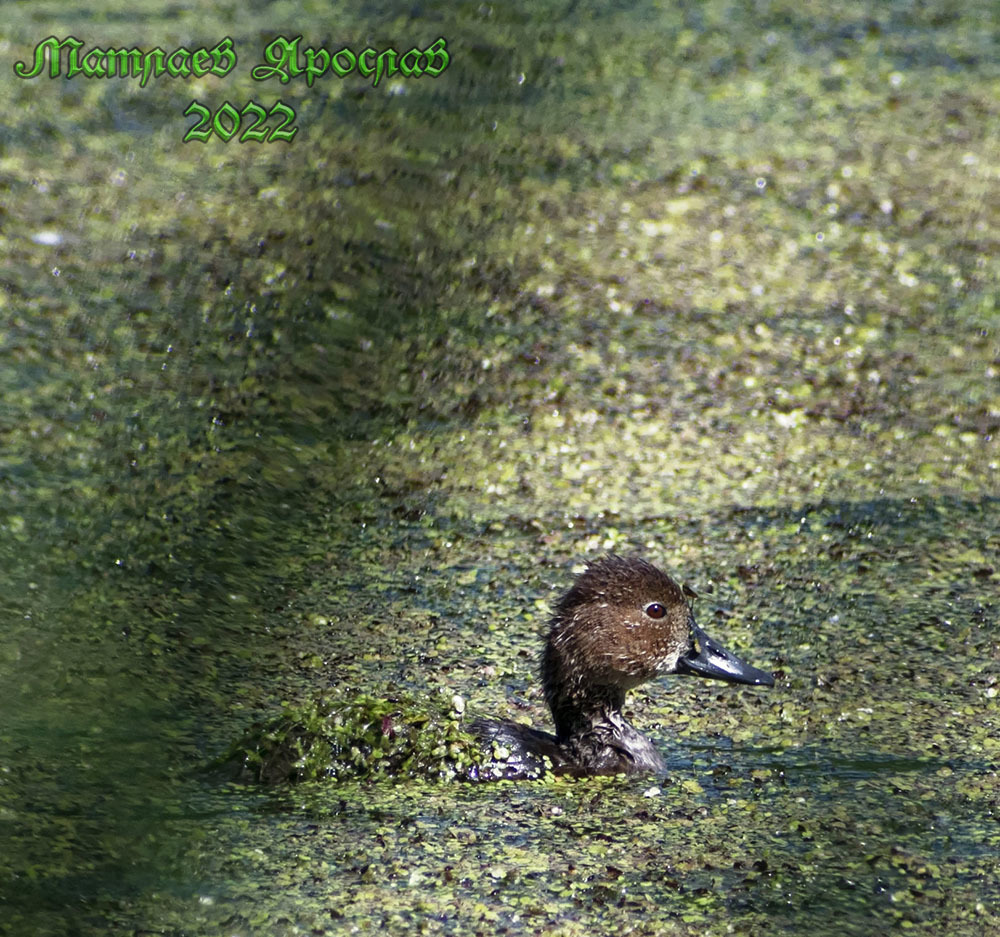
324,426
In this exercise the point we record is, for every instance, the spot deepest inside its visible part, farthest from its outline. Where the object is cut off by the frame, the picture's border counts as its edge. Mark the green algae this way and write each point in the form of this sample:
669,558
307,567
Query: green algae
355,412
336,735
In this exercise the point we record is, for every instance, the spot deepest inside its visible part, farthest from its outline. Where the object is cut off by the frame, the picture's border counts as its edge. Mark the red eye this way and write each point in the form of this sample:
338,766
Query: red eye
655,610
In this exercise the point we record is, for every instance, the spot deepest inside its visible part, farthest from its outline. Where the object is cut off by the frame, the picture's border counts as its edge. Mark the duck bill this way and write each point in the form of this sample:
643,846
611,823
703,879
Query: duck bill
711,660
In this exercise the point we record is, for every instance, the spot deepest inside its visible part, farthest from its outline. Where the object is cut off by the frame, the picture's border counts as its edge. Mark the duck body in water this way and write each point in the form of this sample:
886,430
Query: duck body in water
622,623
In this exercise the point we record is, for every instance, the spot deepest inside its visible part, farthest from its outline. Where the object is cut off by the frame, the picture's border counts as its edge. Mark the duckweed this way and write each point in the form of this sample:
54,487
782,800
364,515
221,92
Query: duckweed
334,735
714,287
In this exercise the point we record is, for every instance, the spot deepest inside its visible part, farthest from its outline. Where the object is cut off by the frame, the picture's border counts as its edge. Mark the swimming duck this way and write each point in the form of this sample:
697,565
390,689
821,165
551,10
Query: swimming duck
622,623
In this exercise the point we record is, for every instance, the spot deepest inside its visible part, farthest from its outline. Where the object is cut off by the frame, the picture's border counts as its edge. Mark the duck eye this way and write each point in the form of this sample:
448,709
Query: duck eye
655,610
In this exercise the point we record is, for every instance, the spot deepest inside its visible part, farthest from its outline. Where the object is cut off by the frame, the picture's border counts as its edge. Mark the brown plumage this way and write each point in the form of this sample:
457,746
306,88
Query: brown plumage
622,623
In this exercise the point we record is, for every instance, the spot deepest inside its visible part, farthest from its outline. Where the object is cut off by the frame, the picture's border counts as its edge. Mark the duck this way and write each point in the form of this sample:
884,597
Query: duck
622,623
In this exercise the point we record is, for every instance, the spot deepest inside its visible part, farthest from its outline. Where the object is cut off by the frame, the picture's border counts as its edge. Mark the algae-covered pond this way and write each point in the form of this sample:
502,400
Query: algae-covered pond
715,283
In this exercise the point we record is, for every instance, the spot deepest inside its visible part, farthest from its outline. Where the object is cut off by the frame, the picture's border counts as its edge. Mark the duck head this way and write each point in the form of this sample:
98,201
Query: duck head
622,623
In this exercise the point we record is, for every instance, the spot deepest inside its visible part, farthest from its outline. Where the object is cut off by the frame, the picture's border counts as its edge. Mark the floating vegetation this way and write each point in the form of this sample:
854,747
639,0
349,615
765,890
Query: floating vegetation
328,736
715,283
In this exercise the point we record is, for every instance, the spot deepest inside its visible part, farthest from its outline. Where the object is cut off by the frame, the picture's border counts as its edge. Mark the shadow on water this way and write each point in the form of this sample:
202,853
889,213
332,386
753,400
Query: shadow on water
159,503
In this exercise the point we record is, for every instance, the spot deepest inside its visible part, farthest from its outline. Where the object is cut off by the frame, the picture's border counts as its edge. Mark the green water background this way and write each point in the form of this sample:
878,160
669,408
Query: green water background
712,282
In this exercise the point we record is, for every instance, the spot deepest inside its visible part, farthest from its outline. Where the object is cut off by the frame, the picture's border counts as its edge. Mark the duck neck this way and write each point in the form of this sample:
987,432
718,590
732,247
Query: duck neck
593,733
585,711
